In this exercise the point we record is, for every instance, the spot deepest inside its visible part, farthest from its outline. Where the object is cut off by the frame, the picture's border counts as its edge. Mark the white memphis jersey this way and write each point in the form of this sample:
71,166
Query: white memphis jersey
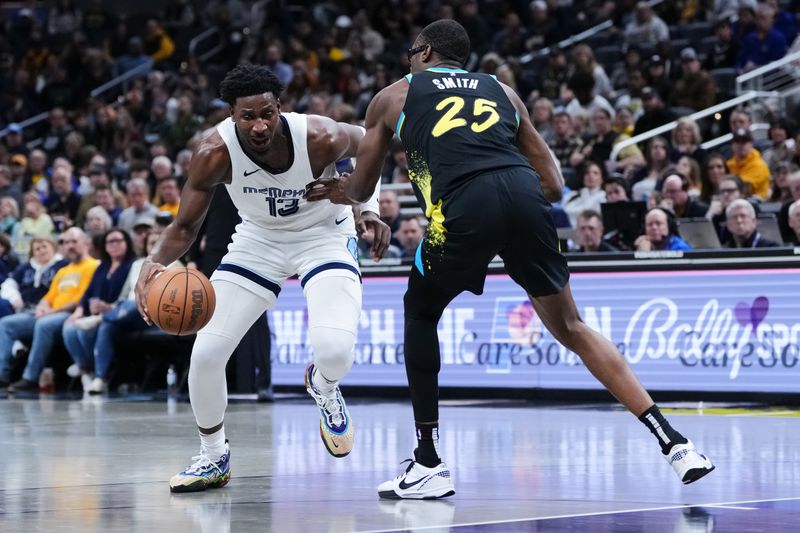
274,200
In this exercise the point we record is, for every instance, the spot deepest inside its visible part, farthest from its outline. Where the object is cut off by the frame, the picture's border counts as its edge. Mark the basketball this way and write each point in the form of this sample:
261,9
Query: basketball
181,300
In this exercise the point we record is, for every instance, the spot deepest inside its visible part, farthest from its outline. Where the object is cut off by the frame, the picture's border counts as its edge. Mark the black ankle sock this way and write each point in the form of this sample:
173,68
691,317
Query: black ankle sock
660,428
427,452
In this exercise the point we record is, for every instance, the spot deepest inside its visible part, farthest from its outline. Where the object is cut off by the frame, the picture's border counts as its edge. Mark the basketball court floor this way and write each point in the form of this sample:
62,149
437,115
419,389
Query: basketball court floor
103,465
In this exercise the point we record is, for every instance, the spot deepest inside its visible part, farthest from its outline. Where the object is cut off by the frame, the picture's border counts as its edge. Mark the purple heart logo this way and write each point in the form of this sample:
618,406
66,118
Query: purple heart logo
755,314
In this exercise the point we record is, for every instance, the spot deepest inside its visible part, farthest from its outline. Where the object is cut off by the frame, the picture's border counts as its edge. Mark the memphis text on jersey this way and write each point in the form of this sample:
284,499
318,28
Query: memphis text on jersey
280,202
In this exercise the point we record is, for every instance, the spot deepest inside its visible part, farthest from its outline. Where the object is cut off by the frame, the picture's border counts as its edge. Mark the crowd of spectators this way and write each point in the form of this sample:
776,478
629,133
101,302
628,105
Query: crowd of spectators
85,191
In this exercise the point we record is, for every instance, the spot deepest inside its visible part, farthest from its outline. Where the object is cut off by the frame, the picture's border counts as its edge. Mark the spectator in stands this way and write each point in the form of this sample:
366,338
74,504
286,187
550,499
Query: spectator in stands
170,195
510,39
621,72
644,181
589,233
696,89
794,222
273,58
186,124
725,50
742,224
565,142
9,215
98,222
616,189
691,169
390,209
783,214
623,121
157,44
785,21
35,223
28,283
44,324
781,133
675,197
104,197
686,140
8,259
748,164
63,202
98,178
80,329
646,29
134,58
655,114
9,187
731,188
410,234
597,146
658,76
555,75
739,120
660,232
764,45
13,141
139,200
36,176
585,102
542,119
781,191
589,196
583,59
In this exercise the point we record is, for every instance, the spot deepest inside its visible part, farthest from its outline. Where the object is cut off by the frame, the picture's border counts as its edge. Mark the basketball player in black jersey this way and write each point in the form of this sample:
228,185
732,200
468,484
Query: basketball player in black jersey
485,179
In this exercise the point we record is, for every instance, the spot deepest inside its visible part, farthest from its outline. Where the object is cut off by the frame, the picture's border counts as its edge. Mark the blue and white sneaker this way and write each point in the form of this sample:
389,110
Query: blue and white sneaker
204,473
688,463
419,482
335,426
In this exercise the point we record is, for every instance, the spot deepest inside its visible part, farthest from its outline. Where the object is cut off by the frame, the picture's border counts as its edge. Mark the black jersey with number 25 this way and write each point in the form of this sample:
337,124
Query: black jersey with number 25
456,125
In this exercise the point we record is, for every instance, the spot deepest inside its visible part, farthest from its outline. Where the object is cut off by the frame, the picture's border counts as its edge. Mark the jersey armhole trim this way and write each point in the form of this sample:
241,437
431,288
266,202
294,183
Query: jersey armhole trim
408,77
400,121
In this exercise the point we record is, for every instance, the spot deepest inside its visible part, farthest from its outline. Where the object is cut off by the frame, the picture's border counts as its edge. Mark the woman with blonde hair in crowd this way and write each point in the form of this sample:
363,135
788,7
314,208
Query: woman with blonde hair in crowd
686,140
31,280
583,59
35,223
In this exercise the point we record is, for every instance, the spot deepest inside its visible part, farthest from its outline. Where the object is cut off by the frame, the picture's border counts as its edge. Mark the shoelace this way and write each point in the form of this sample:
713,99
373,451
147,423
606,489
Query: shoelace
331,406
411,463
201,464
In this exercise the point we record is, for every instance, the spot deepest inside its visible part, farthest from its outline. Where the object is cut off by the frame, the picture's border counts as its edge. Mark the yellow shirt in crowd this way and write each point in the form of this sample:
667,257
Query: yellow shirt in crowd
754,171
170,208
70,282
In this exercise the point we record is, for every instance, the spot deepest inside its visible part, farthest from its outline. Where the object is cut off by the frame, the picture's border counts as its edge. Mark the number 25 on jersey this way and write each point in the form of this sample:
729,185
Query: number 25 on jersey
483,113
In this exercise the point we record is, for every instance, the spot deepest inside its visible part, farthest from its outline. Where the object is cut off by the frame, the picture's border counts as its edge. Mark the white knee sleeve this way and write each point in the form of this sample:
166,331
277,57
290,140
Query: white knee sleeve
334,309
236,310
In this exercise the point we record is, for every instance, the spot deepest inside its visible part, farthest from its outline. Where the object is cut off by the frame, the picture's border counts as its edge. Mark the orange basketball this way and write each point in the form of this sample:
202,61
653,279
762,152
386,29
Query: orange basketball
180,300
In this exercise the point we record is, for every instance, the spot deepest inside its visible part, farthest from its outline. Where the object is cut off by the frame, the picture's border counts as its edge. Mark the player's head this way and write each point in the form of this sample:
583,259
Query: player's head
442,42
253,93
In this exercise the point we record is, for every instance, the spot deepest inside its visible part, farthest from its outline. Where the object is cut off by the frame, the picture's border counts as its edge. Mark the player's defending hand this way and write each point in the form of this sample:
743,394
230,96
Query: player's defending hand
332,189
383,233
149,271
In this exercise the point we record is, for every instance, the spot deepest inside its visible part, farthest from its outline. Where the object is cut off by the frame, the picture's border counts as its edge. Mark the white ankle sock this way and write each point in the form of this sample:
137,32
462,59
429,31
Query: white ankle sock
321,383
213,444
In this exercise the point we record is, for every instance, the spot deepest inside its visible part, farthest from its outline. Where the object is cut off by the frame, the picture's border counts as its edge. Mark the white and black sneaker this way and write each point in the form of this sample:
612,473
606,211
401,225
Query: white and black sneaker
688,463
419,482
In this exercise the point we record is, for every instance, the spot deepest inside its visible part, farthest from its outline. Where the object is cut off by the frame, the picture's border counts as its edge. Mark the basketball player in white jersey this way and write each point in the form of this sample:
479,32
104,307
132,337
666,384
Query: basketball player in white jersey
266,159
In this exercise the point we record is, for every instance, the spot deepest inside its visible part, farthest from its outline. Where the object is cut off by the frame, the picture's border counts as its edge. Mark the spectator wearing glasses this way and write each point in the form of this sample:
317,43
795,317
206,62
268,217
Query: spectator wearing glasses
731,188
675,196
44,324
80,329
742,224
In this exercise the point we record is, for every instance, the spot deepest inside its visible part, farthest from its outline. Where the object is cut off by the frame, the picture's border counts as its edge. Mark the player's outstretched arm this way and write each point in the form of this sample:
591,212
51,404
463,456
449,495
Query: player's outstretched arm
535,150
209,167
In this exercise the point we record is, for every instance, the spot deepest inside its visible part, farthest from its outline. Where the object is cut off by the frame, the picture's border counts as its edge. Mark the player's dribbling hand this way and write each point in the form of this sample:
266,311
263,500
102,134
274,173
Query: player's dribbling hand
332,189
149,271
369,221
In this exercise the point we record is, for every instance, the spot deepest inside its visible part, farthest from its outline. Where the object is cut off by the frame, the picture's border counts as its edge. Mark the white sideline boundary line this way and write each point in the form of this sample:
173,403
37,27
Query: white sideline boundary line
580,515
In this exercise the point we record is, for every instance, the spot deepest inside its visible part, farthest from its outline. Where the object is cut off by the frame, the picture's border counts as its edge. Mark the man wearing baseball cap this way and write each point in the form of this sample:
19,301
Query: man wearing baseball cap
748,164
696,88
